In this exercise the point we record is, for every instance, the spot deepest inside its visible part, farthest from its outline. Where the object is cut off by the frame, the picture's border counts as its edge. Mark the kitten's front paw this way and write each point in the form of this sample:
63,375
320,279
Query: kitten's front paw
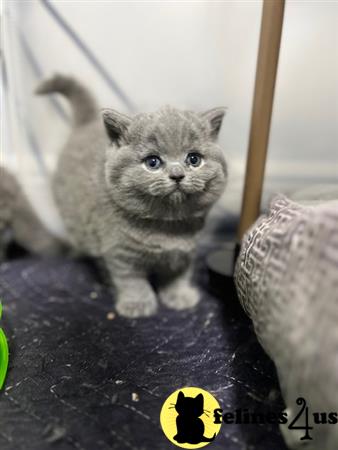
134,306
180,297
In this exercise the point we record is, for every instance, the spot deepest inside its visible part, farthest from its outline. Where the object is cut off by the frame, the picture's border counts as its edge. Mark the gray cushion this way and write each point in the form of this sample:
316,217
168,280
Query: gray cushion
287,281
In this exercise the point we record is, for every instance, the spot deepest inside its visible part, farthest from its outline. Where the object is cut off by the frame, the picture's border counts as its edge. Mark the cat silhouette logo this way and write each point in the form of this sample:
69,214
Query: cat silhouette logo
187,418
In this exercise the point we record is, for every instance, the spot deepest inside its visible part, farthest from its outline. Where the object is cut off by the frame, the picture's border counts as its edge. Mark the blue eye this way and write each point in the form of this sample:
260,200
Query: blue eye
153,162
194,159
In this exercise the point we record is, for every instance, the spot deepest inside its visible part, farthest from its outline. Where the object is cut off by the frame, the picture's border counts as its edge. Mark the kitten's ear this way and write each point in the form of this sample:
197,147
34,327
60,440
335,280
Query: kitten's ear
116,124
180,397
214,117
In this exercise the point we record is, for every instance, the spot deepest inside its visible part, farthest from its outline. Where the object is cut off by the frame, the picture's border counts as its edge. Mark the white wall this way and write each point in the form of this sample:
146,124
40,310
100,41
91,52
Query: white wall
303,146
192,55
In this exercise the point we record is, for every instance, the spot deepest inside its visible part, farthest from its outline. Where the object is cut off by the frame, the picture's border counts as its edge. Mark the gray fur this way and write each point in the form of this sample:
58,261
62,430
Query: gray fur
19,222
141,222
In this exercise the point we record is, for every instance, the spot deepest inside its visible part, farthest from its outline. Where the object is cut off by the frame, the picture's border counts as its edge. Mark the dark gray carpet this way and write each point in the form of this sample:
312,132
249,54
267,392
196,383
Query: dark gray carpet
78,380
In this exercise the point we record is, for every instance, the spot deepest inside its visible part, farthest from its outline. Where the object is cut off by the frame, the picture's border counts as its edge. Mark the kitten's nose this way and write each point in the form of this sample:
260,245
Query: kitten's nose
176,173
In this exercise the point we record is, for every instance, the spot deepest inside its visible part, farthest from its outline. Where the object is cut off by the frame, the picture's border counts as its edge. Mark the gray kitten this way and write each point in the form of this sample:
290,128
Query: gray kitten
19,222
135,191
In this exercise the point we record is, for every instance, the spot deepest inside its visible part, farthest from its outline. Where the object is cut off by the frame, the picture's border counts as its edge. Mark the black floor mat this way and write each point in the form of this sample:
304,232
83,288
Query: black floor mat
79,379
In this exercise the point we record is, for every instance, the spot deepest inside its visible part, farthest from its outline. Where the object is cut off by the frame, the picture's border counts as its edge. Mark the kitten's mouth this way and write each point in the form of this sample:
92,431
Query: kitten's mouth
178,189
181,191
176,193
175,188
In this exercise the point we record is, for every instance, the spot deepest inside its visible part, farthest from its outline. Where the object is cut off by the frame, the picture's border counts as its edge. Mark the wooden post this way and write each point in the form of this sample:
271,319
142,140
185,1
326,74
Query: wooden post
269,44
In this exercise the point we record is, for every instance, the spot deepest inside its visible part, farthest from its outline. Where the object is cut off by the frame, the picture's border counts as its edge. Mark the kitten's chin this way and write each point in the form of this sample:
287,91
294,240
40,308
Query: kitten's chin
176,205
176,196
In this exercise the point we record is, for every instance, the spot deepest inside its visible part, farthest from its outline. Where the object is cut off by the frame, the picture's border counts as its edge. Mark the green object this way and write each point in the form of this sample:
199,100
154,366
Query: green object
3,354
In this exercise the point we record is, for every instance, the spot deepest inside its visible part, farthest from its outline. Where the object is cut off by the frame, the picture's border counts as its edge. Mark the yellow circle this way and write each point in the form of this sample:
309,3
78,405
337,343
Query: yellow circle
188,415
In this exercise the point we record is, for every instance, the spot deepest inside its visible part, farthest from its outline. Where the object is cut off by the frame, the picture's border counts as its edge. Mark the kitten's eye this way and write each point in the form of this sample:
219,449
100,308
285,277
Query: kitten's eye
194,159
153,162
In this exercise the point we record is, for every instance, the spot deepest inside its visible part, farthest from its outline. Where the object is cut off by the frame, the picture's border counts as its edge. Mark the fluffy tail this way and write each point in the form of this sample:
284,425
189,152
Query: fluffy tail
82,102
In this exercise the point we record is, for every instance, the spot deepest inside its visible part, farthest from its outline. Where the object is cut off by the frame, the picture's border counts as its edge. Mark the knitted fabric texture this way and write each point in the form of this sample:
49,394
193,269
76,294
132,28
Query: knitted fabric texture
287,281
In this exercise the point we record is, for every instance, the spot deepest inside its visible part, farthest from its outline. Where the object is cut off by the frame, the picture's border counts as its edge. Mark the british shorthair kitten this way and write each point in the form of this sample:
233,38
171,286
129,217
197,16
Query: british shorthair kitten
135,191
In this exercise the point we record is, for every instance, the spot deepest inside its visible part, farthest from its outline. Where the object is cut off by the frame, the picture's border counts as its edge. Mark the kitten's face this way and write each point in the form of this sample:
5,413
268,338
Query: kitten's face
165,165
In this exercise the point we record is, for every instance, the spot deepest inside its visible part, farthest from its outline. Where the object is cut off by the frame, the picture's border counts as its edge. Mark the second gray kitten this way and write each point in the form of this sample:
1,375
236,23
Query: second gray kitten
19,222
135,191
